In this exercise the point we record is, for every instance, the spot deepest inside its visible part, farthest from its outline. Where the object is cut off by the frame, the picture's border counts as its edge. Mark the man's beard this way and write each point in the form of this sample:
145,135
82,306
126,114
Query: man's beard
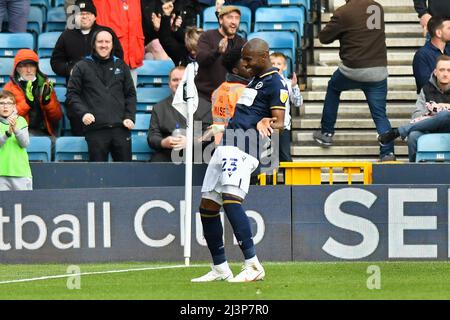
227,31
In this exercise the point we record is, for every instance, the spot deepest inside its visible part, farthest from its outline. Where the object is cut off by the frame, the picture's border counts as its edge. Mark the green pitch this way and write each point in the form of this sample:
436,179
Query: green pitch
397,280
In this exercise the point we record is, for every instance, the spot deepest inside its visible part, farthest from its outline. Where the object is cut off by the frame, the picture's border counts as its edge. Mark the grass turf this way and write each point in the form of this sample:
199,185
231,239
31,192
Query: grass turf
285,281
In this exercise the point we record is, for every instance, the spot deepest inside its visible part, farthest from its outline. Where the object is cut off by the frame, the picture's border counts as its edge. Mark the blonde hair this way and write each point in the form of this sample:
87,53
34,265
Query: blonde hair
5,94
191,38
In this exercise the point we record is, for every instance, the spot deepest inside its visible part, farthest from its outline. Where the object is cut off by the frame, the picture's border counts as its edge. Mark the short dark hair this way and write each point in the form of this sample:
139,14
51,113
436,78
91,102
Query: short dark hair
442,58
435,23
5,94
230,59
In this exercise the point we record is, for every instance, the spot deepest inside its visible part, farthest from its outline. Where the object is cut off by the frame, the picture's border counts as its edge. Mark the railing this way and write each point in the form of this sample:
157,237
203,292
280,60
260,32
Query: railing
310,173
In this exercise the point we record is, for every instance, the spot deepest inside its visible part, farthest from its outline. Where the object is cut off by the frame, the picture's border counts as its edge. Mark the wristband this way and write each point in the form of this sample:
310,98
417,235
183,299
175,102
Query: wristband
8,134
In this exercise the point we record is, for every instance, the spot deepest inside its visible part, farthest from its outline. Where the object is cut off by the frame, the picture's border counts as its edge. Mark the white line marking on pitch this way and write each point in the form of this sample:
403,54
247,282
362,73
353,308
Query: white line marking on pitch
98,272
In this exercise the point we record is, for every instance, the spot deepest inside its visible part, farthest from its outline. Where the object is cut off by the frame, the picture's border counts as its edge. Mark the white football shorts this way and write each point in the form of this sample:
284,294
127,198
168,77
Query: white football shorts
229,171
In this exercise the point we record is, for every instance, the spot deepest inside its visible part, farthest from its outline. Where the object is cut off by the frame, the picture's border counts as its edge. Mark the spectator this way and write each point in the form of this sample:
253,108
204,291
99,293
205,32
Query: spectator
102,94
279,61
75,44
15,172
166,118
211,45
226,96
428,8
364,66
187,9
432,114
179,43
424,60
124,17
17,12
35,98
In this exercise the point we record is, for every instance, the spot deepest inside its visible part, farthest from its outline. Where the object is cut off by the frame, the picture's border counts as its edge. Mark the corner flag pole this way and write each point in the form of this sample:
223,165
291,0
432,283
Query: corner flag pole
190,93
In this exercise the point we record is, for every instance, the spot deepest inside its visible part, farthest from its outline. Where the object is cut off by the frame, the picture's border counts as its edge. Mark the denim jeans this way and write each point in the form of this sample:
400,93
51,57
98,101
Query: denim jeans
17,12
375,93
440,123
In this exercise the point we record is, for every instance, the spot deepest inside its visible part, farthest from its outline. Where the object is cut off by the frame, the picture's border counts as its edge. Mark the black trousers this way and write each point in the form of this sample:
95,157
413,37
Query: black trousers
285,146
116,141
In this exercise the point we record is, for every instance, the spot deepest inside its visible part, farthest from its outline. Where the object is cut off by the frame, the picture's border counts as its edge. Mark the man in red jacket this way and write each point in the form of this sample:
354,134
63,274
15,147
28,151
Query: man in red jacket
124,17
35,99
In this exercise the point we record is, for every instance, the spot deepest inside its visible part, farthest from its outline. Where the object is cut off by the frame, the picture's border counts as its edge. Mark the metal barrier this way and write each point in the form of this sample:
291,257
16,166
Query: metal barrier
310,173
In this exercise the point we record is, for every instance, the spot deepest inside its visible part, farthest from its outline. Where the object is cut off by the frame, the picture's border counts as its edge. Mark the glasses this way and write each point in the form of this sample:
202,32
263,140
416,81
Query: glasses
6,104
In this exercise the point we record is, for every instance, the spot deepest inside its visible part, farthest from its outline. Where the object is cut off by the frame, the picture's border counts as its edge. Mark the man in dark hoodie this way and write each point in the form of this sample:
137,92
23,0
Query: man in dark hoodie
101,92
432,113
75,44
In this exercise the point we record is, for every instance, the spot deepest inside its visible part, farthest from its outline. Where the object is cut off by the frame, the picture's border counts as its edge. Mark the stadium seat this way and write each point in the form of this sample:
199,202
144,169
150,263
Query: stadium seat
279,19
210,19
10,43
46,68
6,67
154,72
40,149
56,19
43,5
433,147
141,124
71,149
304,3
46,43
140,150
36,20
148,97
58,3
281,41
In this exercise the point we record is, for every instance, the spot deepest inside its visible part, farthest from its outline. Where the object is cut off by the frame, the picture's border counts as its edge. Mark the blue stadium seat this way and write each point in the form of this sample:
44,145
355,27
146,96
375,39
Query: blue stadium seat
141,124
71,149
148,97
6,67
56,19
46,68
40,149
58,3
433,147
281,41
10,43
43,5
36,20
279,19
210,19
140,150
154,72
304,3
46,43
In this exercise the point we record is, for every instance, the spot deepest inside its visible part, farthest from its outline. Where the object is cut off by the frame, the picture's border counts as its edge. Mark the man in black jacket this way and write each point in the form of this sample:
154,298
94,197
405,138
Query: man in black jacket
75,44
428,8
101,92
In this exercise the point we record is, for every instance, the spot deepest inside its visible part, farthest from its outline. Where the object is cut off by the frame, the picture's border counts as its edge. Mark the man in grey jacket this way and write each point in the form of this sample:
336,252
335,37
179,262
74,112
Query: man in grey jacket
432,113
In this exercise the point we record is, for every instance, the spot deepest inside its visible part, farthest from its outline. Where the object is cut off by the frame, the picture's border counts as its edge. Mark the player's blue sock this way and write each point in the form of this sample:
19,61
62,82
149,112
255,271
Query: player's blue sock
213,232
241,225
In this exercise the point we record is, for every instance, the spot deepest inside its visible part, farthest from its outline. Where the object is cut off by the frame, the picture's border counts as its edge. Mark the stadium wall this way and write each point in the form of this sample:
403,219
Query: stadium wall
305,223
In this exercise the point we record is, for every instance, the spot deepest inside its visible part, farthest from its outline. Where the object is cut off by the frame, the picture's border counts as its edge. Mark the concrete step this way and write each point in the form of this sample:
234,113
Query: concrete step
395,57
391,6
328,71
345,123
341,137
388,17
397,30
358,95
368,158
347,151
397,83
357,109
408,42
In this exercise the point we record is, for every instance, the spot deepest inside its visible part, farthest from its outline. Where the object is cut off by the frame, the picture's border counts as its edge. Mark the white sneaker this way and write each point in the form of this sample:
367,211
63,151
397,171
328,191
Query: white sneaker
252,272
216,274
